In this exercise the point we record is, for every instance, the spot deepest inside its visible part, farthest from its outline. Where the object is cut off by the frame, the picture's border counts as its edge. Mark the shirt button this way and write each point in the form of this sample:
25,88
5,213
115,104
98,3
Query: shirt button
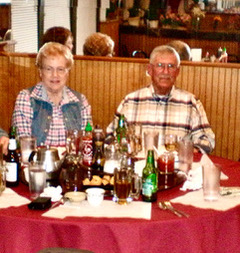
66,119
49,117
45,130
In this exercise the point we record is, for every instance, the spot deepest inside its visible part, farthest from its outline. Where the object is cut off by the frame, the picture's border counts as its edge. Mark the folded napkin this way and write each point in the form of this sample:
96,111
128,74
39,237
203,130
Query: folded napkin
10,198
55,193
108,209
194,177
195,198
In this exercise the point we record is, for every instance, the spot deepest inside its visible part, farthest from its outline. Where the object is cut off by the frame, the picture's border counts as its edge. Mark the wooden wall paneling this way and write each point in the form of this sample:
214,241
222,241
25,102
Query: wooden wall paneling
4,91
106,82
236,133
232,110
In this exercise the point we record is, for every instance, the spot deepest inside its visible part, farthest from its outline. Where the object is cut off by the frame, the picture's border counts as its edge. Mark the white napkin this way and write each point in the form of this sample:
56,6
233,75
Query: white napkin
195,198
108,209
52,192
10,198
194,177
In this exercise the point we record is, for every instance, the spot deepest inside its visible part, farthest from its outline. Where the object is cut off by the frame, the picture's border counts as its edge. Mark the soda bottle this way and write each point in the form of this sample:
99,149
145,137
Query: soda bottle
121,129
12,160
149,179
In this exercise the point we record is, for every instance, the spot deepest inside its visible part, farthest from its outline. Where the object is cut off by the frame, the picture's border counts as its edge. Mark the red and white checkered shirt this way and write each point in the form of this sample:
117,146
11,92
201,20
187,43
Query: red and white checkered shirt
23,114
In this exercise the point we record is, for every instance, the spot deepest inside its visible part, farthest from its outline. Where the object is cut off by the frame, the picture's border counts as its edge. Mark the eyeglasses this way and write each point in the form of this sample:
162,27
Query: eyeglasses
60,70
161,66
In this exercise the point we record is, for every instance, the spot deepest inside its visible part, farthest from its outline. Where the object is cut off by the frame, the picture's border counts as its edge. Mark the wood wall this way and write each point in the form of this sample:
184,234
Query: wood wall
105,81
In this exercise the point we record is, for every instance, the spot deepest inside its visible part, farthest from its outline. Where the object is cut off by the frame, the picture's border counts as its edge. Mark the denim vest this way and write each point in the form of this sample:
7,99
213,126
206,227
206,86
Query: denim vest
42,116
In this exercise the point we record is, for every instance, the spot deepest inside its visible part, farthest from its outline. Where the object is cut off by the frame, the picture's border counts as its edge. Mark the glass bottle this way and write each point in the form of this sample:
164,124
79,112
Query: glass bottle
149,179
121,129
87,146
98,158
70,177
12,161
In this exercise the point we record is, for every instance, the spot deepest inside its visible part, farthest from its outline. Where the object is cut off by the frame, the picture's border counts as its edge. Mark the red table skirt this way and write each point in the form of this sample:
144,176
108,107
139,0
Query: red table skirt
26,231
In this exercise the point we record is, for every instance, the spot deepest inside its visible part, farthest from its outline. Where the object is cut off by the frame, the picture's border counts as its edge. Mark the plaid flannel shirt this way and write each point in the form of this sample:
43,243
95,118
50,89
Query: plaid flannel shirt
46,121
179,113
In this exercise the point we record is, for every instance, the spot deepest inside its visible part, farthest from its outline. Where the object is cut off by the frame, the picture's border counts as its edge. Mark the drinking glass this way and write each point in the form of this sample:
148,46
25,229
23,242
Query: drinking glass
170,142
134,138
185,155
151,141
127,185
211,182
28,144
165,164
37,179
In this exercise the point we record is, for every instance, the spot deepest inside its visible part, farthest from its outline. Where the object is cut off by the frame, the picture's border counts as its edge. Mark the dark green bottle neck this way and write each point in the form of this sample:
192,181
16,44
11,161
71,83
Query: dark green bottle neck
150,158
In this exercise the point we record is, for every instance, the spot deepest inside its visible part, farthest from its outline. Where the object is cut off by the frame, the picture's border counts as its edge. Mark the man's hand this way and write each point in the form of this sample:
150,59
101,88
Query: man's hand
4,141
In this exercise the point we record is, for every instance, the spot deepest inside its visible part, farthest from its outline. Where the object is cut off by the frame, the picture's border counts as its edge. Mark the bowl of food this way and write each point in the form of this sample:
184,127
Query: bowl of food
75,196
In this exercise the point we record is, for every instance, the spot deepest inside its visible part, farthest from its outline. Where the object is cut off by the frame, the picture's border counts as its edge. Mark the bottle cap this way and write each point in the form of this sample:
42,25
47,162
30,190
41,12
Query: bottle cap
88,127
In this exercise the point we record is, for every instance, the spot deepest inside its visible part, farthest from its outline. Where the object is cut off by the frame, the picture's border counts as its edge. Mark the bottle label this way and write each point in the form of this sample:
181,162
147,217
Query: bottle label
149,185
11,174
87,151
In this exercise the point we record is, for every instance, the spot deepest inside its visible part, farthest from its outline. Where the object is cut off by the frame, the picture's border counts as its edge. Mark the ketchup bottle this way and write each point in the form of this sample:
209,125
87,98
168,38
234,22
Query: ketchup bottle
87,146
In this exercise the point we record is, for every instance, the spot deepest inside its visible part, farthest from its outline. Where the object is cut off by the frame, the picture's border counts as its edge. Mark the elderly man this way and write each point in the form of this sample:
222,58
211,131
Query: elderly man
165,108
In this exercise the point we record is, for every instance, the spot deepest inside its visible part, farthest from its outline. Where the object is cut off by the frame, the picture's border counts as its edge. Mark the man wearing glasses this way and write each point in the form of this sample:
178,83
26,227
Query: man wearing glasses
163,107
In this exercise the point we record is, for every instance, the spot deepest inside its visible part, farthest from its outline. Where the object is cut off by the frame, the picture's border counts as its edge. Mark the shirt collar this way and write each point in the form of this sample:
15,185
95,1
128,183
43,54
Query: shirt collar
162,97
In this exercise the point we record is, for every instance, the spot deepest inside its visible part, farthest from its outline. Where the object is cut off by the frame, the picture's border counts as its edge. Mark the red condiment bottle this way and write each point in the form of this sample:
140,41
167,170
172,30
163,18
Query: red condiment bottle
87,146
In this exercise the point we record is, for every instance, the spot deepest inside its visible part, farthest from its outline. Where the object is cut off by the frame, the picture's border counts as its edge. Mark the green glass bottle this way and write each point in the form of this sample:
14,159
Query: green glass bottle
121,129
149,179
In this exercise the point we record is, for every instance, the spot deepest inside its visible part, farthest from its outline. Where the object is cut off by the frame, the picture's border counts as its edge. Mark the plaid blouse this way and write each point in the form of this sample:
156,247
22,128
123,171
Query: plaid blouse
56,136
179,113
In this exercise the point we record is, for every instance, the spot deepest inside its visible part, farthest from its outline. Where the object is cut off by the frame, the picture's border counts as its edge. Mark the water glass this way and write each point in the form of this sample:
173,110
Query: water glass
185,155
211,182
151,141
37,179
28,144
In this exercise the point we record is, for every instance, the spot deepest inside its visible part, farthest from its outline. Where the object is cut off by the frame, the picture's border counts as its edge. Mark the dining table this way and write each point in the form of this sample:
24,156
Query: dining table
205,230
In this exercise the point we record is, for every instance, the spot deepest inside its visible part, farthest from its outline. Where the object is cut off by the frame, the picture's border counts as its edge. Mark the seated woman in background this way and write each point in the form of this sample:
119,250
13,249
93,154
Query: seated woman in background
59,34
49,108
98,44
182,48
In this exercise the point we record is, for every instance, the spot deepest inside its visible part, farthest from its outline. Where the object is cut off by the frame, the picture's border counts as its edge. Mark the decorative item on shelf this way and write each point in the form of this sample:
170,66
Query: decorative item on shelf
174,20
152,17
134,15
197,16
216,21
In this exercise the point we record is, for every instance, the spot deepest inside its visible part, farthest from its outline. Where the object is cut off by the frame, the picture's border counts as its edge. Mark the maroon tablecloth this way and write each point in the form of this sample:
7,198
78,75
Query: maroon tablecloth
26,231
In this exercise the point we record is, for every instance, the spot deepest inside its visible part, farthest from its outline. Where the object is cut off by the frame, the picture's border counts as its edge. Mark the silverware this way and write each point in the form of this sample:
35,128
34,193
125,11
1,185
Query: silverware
166,205
62,200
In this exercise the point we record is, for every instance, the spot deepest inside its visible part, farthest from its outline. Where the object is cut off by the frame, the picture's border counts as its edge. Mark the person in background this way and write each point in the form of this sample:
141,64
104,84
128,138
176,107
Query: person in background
182,48
98,44
4,140
49,108
165,108
58,34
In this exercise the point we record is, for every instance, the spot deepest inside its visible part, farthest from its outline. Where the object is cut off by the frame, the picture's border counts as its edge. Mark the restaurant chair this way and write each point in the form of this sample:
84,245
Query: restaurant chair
64,250
139,54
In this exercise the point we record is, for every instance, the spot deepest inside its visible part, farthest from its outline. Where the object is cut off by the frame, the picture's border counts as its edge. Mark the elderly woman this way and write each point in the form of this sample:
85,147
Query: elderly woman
50,108
59,34
98,44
